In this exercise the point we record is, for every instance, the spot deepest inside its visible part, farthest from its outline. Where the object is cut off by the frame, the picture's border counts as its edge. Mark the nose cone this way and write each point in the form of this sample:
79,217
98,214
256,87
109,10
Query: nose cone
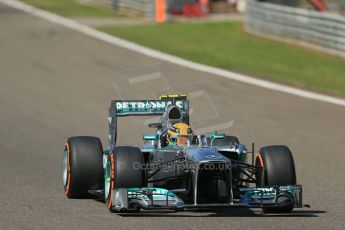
206,154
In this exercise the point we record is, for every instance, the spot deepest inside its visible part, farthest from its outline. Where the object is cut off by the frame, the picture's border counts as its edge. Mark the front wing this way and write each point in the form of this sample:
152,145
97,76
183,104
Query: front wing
158,198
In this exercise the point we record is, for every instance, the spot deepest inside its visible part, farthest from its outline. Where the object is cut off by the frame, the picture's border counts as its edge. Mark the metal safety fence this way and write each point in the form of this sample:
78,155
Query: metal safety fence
322,31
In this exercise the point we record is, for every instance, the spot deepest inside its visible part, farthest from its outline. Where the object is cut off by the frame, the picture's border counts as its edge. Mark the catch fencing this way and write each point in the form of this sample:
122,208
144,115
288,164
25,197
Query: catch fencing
322,31
144,8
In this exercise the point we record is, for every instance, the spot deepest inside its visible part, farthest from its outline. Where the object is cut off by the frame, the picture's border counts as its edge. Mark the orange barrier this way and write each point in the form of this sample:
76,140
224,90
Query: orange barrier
319,5
204,7
161,14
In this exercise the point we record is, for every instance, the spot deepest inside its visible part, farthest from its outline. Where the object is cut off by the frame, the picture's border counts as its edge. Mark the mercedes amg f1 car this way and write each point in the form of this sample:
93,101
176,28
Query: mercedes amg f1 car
176,169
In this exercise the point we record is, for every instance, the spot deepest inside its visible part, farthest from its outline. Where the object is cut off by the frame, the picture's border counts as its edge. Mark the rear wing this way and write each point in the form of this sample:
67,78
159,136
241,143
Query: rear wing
122,108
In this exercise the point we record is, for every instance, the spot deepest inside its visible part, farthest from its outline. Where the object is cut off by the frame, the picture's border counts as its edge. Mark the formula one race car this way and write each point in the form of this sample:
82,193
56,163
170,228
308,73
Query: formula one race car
177,169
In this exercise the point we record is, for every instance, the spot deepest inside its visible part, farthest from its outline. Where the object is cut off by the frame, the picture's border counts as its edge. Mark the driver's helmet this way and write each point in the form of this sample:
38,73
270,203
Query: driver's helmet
179,134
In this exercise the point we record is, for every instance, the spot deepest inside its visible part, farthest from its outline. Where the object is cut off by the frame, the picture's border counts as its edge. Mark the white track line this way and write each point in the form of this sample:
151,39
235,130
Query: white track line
166,57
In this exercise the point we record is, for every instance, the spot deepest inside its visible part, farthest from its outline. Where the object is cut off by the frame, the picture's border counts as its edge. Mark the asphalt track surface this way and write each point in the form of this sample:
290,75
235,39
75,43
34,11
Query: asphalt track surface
55,83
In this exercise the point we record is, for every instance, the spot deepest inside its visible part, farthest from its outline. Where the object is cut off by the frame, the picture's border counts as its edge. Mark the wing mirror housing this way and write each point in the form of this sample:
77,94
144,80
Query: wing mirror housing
215,136
150,137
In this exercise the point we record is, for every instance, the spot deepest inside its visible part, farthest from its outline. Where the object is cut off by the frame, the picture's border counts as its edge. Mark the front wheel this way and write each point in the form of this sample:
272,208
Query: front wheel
277,168
123,170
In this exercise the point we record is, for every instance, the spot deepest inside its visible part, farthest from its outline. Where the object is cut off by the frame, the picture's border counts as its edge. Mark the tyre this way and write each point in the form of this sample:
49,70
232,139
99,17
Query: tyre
226,141
123,170
82,166
277,168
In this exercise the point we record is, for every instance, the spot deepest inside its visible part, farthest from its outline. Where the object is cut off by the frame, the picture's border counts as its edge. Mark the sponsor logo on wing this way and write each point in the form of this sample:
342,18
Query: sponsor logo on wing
146,104
265,190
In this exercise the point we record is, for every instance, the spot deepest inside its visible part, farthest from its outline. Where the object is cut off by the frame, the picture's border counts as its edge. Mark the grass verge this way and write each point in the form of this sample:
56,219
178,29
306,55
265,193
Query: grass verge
225,45
73,8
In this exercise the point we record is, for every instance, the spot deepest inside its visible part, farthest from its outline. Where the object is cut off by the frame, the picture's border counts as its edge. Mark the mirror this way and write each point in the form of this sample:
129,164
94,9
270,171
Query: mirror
150,137
215,136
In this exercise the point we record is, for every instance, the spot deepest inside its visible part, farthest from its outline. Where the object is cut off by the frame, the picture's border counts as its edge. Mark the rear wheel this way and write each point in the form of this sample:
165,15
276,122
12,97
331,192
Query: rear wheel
278,168
123,170
82,166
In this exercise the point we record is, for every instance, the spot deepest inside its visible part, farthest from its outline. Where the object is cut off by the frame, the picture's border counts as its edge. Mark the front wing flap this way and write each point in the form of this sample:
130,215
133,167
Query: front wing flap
273,196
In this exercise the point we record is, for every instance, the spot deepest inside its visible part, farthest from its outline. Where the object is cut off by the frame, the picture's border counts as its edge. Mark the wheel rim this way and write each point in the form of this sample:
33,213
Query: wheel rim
65,168
107,179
